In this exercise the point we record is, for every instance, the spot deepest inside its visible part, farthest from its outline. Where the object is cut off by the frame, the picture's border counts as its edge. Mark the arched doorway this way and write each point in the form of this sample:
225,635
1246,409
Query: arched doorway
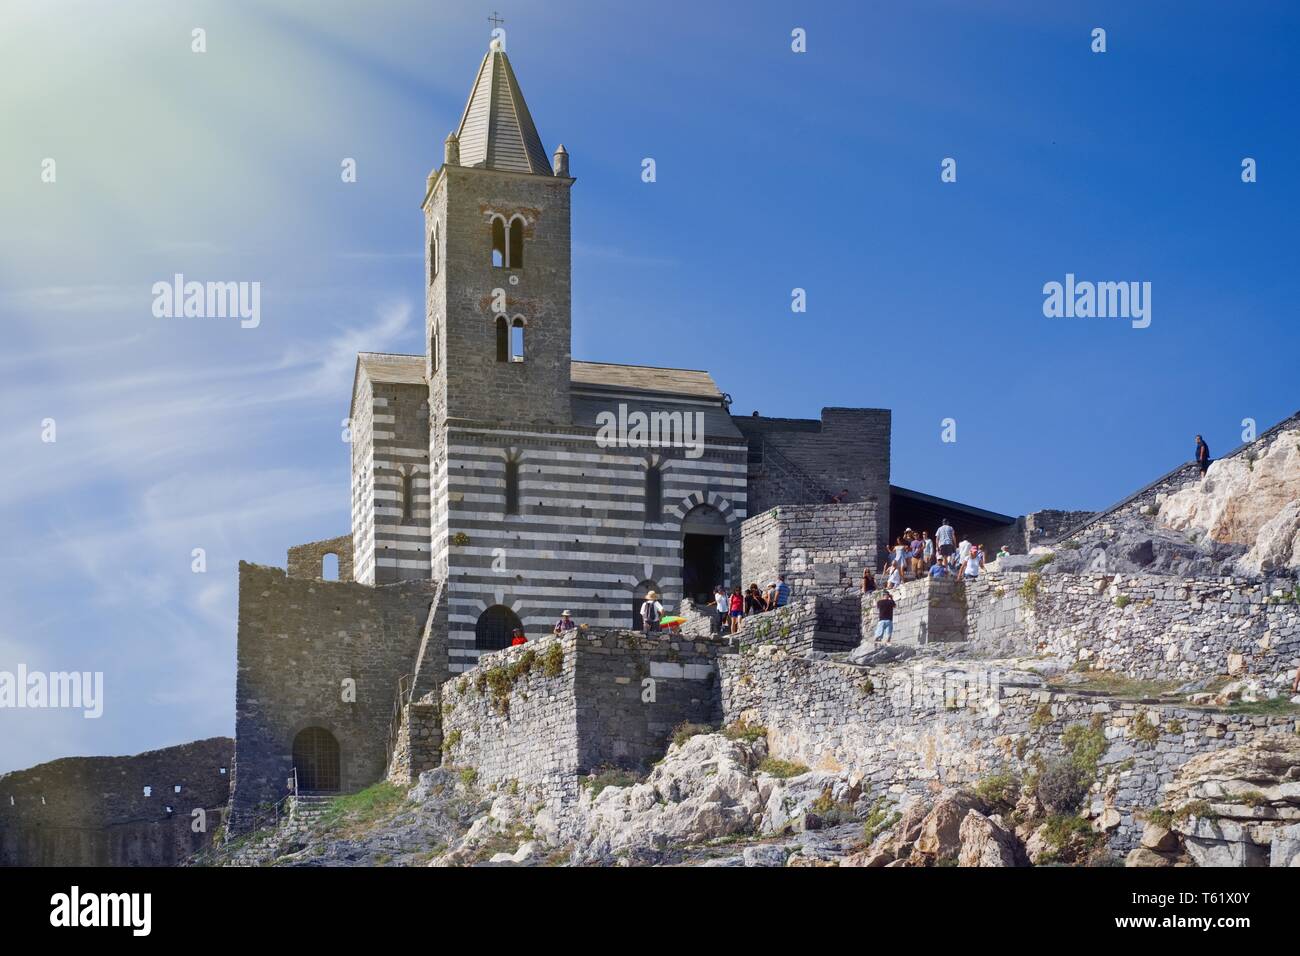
704,550
316,758
494,627
638,598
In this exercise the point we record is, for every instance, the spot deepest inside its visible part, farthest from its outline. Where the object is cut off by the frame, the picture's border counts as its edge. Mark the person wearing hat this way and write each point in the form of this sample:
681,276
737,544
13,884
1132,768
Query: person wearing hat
517,637
651,612
564,624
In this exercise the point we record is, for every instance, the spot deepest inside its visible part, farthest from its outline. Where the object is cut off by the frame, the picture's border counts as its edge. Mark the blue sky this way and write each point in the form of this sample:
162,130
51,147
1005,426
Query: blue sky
775,170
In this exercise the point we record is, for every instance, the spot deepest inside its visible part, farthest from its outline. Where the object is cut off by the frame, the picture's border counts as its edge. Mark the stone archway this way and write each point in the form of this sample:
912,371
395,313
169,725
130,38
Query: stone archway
704,552
494,628
316,760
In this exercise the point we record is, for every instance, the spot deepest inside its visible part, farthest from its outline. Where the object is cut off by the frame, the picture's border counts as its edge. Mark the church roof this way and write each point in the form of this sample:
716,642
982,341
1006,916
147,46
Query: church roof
496,130
687,382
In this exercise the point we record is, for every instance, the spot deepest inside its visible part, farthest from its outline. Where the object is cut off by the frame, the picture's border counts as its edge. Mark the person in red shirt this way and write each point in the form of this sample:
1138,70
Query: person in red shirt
737,605
518,638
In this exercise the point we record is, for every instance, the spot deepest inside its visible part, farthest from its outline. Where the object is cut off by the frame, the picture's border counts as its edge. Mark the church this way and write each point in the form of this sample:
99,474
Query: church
486,492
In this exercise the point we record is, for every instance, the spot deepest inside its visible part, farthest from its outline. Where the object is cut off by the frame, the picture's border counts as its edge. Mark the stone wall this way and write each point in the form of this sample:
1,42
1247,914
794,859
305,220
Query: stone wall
418,744
804,461
821,550
1142,625
541,714
307,560
317,654
93,811
916,729
931,610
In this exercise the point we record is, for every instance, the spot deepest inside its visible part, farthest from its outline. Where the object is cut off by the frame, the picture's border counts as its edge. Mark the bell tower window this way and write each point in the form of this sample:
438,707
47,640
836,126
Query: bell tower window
433,252
498,243
516,258
503,339
517,340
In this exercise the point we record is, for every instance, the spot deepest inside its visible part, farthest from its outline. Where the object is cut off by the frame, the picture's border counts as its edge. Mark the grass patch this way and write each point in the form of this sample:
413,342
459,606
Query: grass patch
686,730
740,730
609,777
1041,717
1029,587
1279,706
553,661
1117,685
1144,730
1123,601
879,820
364,807
784,769
1042,561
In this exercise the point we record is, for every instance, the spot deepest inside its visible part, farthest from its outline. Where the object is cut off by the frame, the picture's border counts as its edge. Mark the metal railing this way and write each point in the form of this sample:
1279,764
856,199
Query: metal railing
395,721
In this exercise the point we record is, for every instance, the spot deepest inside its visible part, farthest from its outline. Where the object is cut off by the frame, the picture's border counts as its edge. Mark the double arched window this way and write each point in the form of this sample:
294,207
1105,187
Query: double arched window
510,338
507,242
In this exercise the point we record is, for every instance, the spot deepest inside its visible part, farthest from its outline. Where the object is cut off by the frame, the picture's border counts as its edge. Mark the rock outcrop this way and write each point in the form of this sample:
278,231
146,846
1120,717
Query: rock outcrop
1252,499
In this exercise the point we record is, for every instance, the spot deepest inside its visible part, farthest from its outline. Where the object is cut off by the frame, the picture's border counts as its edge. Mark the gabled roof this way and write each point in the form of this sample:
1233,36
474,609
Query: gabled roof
496,130
687,382
386,367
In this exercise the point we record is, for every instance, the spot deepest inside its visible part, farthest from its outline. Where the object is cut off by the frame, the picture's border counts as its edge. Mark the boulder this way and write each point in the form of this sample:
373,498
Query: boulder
940,830
1158,838
985,843
1143,856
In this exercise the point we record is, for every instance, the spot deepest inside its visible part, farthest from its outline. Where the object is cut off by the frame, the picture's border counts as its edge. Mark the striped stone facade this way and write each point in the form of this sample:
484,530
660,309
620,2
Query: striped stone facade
581,539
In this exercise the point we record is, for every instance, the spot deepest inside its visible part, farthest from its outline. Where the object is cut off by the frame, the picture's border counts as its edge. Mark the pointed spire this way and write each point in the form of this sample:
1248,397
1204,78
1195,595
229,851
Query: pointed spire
496,130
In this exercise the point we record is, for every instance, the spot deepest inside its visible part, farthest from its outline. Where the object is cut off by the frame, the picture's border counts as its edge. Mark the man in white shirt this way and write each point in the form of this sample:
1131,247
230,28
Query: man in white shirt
721,606
963,550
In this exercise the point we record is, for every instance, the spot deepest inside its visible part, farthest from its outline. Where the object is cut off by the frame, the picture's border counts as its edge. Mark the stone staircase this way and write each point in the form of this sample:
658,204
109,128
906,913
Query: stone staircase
306,808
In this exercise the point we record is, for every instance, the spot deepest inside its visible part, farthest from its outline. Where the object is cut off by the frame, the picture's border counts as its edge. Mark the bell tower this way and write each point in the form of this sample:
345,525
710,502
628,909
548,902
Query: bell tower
497,264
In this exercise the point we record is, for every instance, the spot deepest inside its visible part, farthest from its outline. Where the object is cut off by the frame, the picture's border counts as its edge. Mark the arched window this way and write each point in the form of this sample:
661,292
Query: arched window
498,243
516,260
654,493
494,626
329,567
433,252
512,487
503,339
408,496
433,351
517,340
316,758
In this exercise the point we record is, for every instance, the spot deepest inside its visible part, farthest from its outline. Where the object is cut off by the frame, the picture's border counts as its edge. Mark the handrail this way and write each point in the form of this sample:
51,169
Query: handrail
395,721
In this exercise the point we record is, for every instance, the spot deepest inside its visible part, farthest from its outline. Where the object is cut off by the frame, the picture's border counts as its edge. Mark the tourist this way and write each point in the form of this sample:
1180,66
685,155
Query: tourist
868,581
769,596
970,567
1202,454
900,554
918,556
1002,553
963,550
840,498
564,624
885,611
895,578
938,570
782,591
946,537
720,607
517,637
651,612
736,607
755,603
927,553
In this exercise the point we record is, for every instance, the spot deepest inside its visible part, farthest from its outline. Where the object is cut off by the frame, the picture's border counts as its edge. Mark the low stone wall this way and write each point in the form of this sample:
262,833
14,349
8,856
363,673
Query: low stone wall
545,712
916,729
307,560
1142,625
928,611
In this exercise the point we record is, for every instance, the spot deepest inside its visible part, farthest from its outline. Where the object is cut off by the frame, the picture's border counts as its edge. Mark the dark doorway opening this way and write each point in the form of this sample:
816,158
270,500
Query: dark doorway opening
316,758
702,565
638,598
495,627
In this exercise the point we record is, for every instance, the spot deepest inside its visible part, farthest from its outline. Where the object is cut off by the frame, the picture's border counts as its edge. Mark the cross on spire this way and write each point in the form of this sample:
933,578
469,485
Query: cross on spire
495,20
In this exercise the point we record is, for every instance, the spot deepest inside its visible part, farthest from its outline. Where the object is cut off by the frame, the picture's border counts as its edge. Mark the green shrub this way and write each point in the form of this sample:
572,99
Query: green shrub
1061,786
743,731
1042,561
609,776
1041,717
781,768
999,791
1123,601
1029,588
1144,730
553,660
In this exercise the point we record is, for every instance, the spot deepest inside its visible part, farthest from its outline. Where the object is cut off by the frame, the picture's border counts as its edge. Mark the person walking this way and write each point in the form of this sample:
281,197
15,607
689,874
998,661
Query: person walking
885,615
651,612
754,601
1202,455
721,605
736,609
